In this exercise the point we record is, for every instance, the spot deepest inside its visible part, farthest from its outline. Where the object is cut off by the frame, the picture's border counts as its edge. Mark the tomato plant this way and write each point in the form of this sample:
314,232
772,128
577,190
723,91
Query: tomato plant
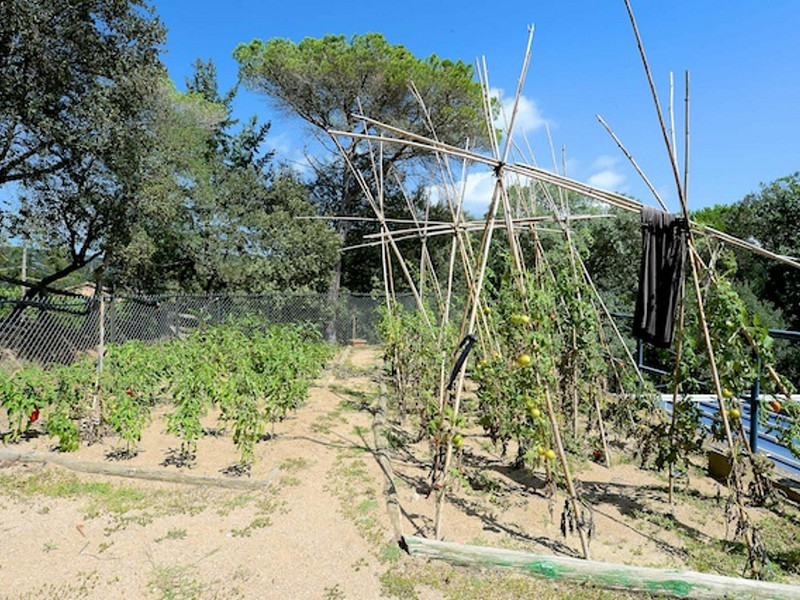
254,373
512,383
414,352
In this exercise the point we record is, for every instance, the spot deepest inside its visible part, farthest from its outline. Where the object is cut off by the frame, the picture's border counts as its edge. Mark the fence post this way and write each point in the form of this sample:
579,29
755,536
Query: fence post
100,351
755,392
112,320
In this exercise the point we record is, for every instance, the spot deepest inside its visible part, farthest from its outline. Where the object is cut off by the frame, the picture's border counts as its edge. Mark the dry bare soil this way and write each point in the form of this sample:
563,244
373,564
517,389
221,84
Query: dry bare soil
319,528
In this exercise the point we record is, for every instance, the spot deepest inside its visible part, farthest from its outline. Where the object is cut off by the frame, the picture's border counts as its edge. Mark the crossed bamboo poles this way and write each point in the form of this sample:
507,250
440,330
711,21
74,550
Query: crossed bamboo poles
474,262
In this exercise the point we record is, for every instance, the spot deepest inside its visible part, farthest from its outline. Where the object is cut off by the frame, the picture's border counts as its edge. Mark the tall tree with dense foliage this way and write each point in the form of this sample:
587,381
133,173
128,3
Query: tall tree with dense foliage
768,218
76,79
218,217
325,81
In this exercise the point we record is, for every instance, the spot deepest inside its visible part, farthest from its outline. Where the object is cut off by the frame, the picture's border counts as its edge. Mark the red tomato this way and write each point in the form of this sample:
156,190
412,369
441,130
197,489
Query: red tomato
129,391
34,415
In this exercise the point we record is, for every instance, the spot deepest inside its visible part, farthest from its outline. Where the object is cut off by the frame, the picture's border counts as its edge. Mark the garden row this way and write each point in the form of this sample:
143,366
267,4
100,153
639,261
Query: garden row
549,384
250,373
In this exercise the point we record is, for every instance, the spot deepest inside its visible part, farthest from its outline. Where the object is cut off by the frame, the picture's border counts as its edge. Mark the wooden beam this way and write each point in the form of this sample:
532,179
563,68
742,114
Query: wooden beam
115,470
662,582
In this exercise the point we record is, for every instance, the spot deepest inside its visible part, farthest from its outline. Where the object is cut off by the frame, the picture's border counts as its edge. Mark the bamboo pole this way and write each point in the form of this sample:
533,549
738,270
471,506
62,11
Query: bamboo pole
472,311
602,427
385,258
672,160
413,235
457,241
744,517
533,172
519,223
633,162
425,257
514,242
379,214
562,457
674,145
473,308
366,219
610,198
686,133
662,582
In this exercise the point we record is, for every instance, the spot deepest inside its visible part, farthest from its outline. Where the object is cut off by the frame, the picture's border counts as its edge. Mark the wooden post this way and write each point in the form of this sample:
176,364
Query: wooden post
101,348
24,274
382,456
467,325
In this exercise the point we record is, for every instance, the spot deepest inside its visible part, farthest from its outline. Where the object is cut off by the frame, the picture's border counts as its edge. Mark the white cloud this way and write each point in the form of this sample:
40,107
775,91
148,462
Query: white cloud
478,193
604,162
478,189
608,180
606,175
529,116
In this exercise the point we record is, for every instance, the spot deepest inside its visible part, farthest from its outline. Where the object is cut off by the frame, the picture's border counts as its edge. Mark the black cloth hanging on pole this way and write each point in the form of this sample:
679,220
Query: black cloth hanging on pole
660,276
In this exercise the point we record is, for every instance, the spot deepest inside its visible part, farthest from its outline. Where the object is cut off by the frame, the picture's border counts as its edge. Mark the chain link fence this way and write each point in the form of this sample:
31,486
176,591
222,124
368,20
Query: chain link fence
57,330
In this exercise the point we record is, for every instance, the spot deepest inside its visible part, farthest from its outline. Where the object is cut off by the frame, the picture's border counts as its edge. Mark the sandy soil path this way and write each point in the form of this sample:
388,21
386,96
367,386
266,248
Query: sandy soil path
315,533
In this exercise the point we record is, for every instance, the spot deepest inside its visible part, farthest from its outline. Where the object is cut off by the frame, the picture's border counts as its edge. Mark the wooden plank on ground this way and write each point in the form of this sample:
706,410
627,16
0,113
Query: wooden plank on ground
117,470
666,582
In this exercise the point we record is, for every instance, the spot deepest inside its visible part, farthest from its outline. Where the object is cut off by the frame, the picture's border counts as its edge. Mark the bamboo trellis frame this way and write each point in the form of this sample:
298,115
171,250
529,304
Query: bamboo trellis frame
475,262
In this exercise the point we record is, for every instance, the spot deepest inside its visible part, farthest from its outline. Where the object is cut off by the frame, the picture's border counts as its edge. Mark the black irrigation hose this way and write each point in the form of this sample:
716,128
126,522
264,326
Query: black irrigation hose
465,346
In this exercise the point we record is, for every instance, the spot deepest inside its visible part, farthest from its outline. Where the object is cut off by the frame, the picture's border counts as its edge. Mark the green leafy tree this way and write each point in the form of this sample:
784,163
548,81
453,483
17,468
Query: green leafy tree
768,288
63,65
324,81
75,78
219,217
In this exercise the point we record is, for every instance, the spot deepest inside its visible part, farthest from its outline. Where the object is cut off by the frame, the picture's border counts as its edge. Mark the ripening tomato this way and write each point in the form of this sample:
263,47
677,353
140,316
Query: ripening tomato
523,360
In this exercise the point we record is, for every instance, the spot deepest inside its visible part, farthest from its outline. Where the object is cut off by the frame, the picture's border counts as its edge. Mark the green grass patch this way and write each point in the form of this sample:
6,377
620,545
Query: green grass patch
84,587
173,534
293,465
403,580
55,484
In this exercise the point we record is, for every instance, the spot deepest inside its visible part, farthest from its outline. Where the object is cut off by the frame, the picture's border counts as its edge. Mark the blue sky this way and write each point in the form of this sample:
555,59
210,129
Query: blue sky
743,57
